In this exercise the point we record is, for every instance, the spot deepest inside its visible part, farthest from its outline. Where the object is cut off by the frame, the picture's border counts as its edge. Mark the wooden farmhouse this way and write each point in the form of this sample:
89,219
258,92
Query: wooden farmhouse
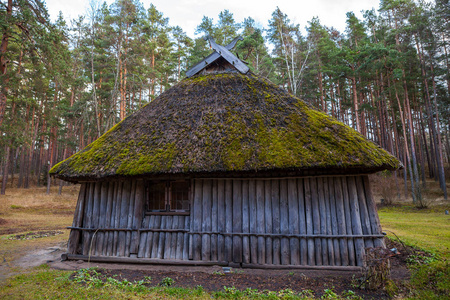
226,168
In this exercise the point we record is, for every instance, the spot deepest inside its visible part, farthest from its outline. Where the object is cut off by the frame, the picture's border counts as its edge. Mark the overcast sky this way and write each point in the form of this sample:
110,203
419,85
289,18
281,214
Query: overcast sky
189,13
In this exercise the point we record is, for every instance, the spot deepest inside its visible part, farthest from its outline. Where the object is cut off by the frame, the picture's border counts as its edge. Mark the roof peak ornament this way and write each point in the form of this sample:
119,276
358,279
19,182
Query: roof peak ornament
214,63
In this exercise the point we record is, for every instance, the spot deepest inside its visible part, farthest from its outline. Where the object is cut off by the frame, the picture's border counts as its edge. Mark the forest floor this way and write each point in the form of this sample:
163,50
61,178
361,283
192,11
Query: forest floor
30,238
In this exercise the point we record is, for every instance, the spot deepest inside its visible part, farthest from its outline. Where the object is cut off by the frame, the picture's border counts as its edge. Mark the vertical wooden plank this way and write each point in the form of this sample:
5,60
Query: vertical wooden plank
356,220
323,220
191,222
237,220
197,220
156,224
284,222
252,218
88,219
108,212
221,219
348,222
214,217
95,217
74,237
334,222
372,208
309,221
293,221
206,219
143,238
166,252
245,223
316,220
101,217
365,219
187,222
276,242
341,221
124,203
139,207
268,220
117,218
228,220
302,222
174,236
180,238
260,220
147,242
114,186
130,213
330,248
85,234
162,238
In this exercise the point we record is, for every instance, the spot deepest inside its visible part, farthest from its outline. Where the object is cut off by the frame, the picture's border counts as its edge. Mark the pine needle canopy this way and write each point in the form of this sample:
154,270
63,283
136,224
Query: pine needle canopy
223,124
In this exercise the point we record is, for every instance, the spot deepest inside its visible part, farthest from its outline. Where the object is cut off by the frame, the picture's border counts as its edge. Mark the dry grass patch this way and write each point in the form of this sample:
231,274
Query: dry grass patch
23,210
29,213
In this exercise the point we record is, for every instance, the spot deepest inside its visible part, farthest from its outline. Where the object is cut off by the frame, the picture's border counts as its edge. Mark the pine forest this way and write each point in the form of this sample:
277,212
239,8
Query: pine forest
64,85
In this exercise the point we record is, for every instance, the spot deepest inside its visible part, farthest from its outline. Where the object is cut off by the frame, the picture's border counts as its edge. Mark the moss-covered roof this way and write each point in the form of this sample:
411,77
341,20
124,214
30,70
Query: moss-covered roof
220,123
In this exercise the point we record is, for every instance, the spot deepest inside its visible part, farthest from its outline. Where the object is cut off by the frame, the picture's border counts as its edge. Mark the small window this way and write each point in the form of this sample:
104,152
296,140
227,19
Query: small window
179,196
168,197
156,197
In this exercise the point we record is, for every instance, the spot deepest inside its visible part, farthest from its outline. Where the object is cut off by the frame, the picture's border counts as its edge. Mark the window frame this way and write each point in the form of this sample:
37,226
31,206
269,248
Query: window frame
167,198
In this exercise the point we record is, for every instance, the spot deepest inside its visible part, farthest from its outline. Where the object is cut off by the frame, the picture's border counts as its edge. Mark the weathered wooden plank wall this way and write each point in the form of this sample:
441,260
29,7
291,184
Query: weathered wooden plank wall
298,221
106,206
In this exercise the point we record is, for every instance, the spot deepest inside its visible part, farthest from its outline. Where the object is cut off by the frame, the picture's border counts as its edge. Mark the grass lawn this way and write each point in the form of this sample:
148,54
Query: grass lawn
427,229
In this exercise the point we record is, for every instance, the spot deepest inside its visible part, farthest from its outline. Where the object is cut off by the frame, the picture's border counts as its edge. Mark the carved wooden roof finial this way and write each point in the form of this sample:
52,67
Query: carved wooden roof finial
213,63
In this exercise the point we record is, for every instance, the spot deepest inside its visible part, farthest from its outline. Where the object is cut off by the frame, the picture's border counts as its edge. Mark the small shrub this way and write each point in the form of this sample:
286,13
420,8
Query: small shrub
88,276
377,271
306,294
198,291
388,189
329,294
218,273
422,202
349,294
16,207
421,259
251,292
167,281
286,294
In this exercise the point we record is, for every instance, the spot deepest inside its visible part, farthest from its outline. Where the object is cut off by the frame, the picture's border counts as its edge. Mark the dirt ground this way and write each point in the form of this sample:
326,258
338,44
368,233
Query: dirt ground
213,278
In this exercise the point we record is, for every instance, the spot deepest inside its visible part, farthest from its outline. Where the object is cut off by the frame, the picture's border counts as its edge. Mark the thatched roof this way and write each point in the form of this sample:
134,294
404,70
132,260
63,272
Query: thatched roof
225,124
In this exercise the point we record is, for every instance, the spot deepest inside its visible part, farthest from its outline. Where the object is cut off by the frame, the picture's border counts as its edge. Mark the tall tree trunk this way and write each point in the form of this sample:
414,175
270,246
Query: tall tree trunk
355,102
94,90
322,99
446,63
21,167
429,153
438,137
407,155
5,170
51,153
3,65
418,192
